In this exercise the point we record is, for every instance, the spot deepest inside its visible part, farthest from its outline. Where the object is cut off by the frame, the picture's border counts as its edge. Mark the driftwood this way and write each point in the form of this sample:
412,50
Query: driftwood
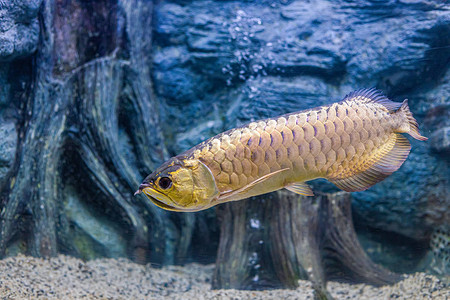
292,237
89,132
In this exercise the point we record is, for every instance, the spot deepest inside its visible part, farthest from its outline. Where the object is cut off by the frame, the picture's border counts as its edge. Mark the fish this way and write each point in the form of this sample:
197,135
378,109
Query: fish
354,143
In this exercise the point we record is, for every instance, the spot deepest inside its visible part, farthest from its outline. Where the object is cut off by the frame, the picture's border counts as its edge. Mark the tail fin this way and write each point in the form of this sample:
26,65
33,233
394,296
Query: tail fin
412,123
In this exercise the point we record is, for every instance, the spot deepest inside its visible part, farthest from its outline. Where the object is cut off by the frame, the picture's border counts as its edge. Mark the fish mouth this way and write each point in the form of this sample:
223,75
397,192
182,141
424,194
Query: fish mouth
141,187
152,194
161,204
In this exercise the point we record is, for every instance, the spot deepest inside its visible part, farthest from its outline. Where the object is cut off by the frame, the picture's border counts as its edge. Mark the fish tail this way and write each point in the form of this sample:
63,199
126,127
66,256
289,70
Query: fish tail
409,125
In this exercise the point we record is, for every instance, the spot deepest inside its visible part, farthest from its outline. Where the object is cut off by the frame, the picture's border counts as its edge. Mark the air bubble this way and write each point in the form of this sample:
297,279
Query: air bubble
255,223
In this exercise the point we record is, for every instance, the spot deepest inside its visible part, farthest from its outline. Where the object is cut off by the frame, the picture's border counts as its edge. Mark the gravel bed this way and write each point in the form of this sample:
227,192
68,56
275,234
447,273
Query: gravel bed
65,277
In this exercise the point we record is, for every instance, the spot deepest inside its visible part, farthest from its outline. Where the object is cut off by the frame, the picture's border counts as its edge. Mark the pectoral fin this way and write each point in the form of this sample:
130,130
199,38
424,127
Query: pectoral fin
245,189
300,188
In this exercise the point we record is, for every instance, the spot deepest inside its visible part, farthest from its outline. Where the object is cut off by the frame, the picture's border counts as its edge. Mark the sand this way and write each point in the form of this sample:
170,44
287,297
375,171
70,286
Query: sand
65,277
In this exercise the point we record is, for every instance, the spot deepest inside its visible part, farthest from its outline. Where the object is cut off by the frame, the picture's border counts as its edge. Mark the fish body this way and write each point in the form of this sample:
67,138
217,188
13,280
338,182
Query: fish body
354,144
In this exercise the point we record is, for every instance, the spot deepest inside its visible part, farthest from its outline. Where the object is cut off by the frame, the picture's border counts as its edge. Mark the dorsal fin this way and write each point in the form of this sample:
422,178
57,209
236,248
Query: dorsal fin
373,96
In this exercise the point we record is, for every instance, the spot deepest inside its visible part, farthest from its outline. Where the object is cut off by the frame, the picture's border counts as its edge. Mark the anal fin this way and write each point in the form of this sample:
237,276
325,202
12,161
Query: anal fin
300,188
386,162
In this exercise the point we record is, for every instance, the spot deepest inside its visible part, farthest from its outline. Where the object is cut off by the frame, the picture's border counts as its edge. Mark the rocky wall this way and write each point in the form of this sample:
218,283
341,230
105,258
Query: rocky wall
94,95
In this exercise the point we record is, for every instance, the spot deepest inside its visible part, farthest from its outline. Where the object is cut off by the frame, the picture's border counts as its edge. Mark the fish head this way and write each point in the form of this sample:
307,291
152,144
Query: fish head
181,185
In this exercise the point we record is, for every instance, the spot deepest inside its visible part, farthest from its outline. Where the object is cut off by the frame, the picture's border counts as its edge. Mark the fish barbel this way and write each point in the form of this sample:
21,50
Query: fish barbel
354,144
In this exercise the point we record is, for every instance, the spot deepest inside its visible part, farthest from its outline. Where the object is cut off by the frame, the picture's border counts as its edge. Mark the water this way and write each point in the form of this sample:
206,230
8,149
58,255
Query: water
101,93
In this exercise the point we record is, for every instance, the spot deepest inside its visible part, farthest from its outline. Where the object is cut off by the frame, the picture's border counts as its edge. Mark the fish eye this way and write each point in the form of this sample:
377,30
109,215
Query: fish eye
165,183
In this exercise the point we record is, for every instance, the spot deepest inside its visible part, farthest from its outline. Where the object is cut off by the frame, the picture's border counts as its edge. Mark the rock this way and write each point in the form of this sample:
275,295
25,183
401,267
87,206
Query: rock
434,104
19,28
4,85
270,96
19,33
440,140
171,19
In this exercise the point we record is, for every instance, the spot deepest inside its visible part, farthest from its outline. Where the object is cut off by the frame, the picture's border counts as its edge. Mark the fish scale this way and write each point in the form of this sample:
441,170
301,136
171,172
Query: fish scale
354,144
331,141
